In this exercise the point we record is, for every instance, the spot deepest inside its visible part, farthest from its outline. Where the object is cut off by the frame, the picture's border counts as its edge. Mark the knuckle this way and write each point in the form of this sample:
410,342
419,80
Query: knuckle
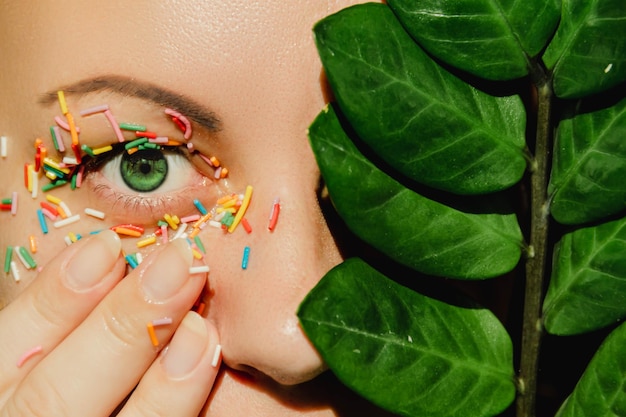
123,329
37,397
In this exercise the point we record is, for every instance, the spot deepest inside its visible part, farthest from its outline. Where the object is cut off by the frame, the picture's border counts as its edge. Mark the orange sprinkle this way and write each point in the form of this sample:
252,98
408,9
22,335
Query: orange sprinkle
33,243
153,336
202,220
225,198
127,232
214,161
73,132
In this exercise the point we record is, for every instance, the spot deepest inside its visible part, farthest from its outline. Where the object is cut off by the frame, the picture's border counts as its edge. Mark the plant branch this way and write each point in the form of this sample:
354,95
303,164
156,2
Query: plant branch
536,263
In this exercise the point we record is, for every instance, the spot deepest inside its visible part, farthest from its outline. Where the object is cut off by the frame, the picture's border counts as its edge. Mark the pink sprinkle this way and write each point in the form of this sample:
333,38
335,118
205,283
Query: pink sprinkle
159,139
190,219
48,214
94,110
79,176
114,125
161,322
28,354
183,119
14,203
57,133
218,171
164,236
190,146
64,125
206,159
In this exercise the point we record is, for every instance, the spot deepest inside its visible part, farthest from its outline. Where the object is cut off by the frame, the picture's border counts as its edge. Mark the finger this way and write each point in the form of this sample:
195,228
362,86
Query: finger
63,294
179,382
109,352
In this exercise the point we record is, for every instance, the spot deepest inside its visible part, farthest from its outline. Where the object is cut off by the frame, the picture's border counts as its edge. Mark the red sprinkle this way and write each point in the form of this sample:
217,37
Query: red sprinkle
246,225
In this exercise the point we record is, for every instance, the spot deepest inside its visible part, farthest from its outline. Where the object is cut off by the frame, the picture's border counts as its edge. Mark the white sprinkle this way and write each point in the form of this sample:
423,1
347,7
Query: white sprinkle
67,240
16,250
215,224
198,269
139,257
3,146
14,203
65,208
94,213
180,231
70,160
216,355
65,222
15,272
608,68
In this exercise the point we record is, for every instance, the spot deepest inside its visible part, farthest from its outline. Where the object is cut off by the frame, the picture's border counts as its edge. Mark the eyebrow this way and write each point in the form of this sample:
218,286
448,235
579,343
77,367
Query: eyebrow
131,87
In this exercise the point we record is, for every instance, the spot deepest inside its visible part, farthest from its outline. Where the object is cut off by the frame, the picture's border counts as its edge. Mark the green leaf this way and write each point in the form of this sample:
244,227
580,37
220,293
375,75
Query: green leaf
588,52
600,391
493,39
420,233
410,354
419,118
590,166
588,286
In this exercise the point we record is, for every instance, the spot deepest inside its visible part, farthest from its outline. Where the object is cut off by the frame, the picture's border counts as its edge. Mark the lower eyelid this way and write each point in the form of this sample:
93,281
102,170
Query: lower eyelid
148,209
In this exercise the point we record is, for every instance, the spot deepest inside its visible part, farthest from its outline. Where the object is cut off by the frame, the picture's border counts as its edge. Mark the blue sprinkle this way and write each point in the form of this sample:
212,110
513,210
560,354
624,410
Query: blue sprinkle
200,207
246,254
42,221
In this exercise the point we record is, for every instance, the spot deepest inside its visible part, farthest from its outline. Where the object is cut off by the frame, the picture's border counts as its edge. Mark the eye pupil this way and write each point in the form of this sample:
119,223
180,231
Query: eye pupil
144,170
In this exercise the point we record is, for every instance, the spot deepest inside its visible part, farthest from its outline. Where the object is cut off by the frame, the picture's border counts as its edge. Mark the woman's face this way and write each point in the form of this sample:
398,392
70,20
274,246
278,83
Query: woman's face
247,77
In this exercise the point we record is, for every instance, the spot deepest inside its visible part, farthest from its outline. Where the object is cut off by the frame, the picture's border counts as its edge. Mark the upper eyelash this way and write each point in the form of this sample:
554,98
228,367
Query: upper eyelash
93,163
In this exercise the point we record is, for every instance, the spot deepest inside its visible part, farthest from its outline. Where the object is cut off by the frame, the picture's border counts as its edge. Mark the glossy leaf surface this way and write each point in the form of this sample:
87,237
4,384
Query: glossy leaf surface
419,118
588,286
600,391
590,166
408,353
588,52
416,231
494,39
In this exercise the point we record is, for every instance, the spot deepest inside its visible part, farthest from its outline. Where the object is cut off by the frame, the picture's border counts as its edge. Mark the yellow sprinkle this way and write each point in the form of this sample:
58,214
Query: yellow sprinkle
242,209
62,103
54,164
72,237
51,175
170,221
30,171
146,242
222,209
103,149
230,203
196,254
53,199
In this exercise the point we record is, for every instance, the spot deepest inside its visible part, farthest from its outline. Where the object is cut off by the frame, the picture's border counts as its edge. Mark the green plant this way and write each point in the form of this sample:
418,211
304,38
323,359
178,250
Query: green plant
470,140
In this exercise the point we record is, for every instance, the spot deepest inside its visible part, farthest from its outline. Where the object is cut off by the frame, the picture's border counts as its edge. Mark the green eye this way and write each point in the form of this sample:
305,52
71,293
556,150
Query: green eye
144,170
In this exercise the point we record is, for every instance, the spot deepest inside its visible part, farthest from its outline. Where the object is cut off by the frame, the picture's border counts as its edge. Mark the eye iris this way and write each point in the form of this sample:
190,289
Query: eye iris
144,170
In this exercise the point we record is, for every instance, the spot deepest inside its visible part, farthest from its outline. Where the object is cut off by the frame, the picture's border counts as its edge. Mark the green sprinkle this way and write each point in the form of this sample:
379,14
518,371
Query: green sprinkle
7,201
133,127
29,260
87,150
199,243
162,223
59,174
7,259
53,185
54,138
135,143
228,219
149,145
73,183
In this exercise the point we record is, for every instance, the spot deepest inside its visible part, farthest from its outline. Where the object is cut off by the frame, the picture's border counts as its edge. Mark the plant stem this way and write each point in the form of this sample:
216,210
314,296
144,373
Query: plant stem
536,263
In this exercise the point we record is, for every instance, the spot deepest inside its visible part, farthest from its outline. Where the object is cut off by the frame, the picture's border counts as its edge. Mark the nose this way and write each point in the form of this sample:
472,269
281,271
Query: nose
255,309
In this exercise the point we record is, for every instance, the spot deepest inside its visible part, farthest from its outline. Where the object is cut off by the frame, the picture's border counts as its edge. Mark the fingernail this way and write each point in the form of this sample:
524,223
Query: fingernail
93,261
187,346
168,271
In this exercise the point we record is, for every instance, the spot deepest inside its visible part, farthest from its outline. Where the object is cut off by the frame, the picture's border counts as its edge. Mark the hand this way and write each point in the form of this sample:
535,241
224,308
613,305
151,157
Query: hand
76,341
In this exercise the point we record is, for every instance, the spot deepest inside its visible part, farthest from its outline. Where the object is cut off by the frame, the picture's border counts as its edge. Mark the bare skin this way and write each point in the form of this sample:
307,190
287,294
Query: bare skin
249,77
